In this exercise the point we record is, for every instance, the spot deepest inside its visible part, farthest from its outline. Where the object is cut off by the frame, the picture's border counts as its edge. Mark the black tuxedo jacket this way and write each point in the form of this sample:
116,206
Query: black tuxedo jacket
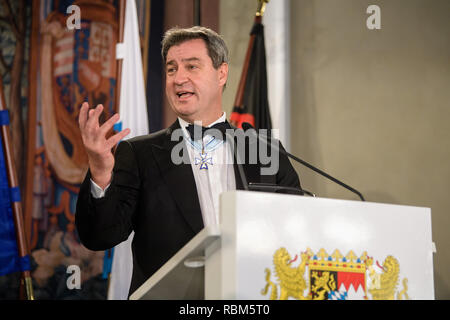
154,197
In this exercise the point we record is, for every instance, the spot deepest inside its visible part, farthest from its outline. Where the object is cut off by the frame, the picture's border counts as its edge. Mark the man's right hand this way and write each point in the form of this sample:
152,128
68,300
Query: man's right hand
98,147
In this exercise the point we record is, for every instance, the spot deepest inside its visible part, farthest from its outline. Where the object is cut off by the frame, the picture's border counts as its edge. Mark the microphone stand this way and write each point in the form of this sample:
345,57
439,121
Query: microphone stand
260,186
238,162
246,126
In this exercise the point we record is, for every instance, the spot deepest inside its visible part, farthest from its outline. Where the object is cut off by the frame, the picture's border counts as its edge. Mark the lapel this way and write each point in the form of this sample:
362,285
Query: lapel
180,180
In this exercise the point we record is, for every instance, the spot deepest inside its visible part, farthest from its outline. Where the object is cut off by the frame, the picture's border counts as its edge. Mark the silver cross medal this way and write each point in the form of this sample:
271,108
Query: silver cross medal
203,161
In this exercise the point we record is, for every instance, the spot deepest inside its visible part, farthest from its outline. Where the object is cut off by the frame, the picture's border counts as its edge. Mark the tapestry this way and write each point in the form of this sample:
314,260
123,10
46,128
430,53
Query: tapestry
64,67
74,65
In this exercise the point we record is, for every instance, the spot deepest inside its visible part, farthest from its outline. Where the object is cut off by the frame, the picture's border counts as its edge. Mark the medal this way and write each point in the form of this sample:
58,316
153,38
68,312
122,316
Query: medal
204,151
203,161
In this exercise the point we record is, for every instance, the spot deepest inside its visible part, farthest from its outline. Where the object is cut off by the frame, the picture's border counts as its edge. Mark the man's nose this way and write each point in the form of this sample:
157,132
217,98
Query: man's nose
180,77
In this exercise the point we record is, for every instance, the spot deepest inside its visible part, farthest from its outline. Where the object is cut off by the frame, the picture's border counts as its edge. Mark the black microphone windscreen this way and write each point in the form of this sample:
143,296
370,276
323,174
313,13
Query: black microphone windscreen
246,126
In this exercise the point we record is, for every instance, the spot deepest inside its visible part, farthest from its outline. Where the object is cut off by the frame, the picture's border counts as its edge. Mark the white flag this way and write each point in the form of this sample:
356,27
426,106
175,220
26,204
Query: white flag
133,115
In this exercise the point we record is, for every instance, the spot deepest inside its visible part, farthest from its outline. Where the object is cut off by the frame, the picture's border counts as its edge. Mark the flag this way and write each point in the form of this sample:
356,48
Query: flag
10,261
277,39
133,114
252,104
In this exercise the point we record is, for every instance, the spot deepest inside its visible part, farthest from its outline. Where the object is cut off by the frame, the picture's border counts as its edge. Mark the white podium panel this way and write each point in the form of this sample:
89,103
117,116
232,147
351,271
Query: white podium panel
290,247
182,277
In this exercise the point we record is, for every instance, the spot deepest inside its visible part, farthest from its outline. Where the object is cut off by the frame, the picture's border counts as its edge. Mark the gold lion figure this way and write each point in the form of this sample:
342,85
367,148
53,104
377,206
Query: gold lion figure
388,281
292,283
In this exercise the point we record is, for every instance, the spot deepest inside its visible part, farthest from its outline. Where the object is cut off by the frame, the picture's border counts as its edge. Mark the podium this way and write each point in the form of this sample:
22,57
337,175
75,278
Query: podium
275,246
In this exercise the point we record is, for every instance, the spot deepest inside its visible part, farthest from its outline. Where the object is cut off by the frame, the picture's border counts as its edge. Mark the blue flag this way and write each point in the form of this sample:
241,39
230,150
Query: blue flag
9,254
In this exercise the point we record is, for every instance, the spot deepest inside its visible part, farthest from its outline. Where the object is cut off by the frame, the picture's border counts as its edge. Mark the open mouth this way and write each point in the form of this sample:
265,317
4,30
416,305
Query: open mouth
184,94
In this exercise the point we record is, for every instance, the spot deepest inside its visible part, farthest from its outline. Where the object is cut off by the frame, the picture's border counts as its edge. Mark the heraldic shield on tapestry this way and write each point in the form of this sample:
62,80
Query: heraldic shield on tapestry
320,276
74,65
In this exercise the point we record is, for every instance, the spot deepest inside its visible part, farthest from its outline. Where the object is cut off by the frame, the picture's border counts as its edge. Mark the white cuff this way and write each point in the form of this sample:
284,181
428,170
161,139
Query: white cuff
96,191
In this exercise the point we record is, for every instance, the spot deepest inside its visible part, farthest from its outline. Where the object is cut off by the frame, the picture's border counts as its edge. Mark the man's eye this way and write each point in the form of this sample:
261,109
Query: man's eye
192,67
170,70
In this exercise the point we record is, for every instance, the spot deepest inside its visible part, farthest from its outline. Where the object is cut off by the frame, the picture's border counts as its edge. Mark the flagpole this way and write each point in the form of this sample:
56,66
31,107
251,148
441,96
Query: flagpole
238,101
261,7
122,5
16,202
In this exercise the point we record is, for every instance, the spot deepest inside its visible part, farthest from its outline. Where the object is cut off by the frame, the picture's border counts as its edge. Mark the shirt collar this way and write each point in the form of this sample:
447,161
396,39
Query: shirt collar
184,123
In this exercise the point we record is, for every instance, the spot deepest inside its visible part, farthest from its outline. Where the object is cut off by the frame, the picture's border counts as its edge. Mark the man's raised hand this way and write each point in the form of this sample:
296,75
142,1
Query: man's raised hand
98,146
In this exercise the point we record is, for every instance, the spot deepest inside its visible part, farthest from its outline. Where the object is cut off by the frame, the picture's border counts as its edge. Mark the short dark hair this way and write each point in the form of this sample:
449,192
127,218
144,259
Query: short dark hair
217,49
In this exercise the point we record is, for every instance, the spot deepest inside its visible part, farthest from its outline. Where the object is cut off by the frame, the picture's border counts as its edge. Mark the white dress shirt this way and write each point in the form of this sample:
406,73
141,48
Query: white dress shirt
213,171
219,175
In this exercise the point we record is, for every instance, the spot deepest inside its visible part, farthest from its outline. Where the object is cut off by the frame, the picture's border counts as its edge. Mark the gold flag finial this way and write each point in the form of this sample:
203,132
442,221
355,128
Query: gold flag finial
261,7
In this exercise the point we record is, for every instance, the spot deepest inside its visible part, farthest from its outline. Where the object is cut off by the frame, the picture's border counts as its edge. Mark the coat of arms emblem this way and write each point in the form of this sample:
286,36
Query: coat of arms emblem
320,276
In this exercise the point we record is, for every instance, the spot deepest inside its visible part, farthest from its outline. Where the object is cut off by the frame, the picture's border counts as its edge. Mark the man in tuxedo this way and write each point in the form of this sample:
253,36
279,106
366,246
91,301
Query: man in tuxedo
143,187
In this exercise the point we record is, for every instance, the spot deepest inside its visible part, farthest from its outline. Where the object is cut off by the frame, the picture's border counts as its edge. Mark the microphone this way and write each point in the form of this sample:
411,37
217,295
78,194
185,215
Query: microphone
255,186
247,126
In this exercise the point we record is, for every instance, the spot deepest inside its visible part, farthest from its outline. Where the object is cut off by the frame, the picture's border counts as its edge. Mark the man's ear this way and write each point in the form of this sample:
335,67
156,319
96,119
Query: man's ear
223,73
